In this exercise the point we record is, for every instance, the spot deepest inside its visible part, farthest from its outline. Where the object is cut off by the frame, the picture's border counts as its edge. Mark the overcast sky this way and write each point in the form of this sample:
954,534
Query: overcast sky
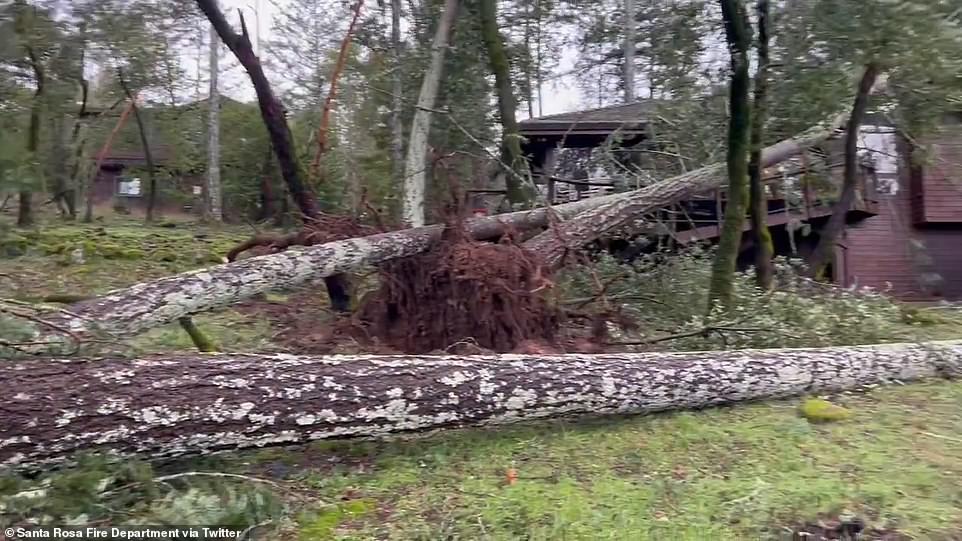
560,95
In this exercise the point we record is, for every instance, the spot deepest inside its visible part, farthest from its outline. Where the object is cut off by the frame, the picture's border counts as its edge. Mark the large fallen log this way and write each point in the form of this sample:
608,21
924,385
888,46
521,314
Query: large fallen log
180,404
150,304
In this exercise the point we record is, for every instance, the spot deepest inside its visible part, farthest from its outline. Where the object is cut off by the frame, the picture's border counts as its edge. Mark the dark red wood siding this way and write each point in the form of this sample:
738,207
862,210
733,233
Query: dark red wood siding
937,189
891,251
944,247
877,250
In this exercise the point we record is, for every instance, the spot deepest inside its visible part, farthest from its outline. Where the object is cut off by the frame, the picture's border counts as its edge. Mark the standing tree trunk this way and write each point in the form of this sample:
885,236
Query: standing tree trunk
738,36
758,205
78,140
538,58
528,79
25,207
212,203
397,98
267,196
273,114
78,143
271,109
179,404
415,171
629,50
145,143
829,235
59,166
517,191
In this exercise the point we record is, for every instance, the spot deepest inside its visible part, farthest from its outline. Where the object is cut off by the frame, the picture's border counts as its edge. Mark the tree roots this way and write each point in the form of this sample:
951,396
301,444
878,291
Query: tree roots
491,295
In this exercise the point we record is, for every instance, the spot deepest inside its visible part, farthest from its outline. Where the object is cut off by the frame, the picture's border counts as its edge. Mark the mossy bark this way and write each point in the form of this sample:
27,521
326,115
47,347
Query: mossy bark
823,254
201,341
517,192
758,204
738,36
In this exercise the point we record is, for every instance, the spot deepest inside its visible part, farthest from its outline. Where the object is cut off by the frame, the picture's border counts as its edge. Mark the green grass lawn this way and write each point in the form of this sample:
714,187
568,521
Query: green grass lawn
748,472
745,472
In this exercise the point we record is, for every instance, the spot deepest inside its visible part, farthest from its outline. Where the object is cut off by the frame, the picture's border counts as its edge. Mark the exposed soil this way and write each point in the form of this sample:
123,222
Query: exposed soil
848,529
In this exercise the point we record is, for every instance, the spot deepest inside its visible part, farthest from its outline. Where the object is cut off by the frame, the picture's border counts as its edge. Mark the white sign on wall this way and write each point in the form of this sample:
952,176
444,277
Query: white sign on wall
129,187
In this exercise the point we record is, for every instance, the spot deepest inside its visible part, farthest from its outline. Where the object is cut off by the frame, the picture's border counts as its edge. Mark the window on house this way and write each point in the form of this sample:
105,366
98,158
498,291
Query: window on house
879,145
128,187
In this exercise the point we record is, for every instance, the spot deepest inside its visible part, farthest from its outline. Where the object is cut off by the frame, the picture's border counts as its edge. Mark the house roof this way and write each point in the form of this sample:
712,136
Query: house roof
637,111
590,127
629,117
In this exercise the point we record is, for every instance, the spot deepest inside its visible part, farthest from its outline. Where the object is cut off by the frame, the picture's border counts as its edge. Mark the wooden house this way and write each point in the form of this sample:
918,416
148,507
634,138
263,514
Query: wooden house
179,158
904,232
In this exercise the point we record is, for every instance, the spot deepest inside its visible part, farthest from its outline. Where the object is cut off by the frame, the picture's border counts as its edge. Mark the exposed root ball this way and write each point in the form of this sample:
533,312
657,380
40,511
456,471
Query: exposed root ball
463,290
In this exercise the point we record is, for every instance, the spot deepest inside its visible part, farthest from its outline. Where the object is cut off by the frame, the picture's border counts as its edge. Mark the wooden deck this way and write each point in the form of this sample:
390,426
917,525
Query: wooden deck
814,213
700,217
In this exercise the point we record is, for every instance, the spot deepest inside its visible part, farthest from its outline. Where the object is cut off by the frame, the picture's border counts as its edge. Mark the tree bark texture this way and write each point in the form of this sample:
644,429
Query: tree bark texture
146,305
179,404
25,207
758,203
629,50
517,191
397,98
829,234
738,36
78,139
268,197
58,165
415,171
212,204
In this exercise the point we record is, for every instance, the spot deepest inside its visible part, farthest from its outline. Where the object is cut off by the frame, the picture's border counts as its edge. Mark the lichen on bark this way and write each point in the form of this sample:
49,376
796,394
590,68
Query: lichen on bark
177,404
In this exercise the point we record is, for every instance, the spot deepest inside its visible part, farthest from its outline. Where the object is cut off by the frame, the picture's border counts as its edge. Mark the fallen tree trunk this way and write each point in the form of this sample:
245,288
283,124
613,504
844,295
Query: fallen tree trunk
179,404
150,304
146,305
628,210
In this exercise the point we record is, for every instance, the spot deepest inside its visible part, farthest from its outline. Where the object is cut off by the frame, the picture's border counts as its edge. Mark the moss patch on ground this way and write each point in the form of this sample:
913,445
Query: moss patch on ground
46,261
118,255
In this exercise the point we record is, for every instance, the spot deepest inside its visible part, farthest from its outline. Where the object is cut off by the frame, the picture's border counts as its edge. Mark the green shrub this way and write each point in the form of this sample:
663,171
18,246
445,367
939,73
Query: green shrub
96,491
668,294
